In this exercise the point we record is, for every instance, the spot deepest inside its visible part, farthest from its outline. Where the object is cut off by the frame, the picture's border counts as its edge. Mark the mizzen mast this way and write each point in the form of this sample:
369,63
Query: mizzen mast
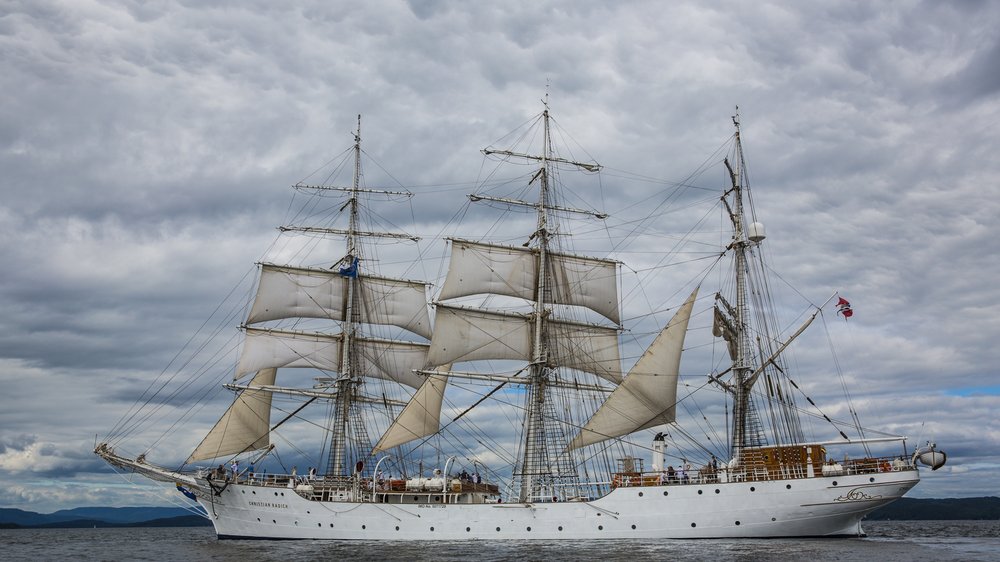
747,431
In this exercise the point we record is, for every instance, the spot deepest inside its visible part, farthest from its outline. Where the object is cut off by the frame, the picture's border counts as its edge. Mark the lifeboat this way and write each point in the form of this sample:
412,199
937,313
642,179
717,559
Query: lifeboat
929,455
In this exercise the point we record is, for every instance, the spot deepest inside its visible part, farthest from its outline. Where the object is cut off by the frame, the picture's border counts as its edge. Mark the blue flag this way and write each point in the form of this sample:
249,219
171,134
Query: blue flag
351,270
186,492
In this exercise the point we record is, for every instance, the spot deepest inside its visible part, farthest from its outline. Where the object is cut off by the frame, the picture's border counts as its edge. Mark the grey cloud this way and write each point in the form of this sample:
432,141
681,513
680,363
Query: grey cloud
147,150
16,442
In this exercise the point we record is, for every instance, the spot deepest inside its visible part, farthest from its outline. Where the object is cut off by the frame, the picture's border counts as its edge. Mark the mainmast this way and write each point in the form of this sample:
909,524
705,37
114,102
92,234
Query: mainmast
535,463
543,462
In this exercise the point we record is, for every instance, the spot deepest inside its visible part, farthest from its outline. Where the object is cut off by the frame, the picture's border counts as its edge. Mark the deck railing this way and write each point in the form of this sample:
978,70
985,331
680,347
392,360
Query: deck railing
751,473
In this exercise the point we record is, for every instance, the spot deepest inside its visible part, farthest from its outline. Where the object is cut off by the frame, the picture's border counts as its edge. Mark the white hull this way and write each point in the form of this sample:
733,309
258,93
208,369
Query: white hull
821,506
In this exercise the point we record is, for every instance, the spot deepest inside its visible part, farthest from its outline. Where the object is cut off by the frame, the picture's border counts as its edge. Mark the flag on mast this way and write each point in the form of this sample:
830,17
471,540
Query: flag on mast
844,308
350,270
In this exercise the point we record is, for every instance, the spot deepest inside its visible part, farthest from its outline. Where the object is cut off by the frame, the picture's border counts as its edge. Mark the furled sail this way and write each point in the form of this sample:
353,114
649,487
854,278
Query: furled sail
477,268
420,417
648,396
467,334
723,328
384,359
293,292
244,427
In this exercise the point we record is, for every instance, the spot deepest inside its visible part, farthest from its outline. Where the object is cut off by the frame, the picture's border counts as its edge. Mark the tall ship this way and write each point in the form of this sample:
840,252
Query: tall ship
532,391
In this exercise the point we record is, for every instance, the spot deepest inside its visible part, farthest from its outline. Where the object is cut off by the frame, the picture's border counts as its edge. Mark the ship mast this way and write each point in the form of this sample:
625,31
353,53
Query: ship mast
745,424
349,380
540,464
535,461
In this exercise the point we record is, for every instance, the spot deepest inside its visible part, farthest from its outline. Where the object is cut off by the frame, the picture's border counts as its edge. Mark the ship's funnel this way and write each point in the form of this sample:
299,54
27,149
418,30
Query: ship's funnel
658,447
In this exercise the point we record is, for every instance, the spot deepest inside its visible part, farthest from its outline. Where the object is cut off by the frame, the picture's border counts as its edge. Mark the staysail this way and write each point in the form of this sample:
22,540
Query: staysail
244,427
421,416
648,395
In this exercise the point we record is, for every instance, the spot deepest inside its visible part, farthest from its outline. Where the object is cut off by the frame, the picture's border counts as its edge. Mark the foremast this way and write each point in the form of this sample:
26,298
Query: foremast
350,444
355,302
347,384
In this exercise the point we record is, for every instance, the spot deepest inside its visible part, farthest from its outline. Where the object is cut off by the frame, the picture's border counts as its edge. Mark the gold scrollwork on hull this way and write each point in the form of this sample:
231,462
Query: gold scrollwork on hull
856,495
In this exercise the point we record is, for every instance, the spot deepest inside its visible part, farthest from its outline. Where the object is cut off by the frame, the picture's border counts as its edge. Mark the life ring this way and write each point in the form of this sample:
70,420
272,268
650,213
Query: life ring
886,467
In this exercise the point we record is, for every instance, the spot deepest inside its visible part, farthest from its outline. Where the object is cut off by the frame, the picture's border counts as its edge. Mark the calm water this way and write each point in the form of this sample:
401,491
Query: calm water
886,542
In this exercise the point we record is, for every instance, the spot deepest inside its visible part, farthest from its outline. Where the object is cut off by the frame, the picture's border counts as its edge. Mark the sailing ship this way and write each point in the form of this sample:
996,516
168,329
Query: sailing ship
528,330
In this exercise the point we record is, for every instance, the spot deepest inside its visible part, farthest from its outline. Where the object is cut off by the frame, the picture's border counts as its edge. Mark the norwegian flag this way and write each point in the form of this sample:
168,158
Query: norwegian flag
844,308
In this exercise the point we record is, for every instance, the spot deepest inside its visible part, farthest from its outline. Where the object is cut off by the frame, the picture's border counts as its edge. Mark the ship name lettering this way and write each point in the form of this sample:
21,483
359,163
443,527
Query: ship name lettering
269,504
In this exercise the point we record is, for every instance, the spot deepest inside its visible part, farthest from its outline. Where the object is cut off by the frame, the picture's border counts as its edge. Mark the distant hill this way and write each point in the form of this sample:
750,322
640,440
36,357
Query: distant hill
912,509
121,514
19,517
182,521
82,517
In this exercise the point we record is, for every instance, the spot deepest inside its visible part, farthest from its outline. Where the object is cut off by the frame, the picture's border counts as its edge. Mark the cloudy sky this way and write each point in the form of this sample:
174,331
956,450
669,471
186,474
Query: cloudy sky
146,149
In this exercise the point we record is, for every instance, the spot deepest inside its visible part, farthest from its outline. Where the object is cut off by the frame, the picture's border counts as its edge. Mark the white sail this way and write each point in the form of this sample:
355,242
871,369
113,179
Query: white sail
508,270
395,302
383,359
477,268
648,396
587,282
420,417
288,292
393,360
244,427
292,292
265,349
466,334
586,347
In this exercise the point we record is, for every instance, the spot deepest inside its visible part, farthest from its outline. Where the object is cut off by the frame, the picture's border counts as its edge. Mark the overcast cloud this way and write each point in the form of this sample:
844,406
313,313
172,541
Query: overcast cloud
146,149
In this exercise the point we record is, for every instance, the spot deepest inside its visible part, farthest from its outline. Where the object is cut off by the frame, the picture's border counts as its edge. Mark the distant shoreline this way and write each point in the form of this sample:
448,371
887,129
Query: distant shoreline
946,509
181,521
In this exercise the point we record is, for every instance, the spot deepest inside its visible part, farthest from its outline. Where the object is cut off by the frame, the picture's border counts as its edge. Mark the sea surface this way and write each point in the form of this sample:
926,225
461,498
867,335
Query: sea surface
886,541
